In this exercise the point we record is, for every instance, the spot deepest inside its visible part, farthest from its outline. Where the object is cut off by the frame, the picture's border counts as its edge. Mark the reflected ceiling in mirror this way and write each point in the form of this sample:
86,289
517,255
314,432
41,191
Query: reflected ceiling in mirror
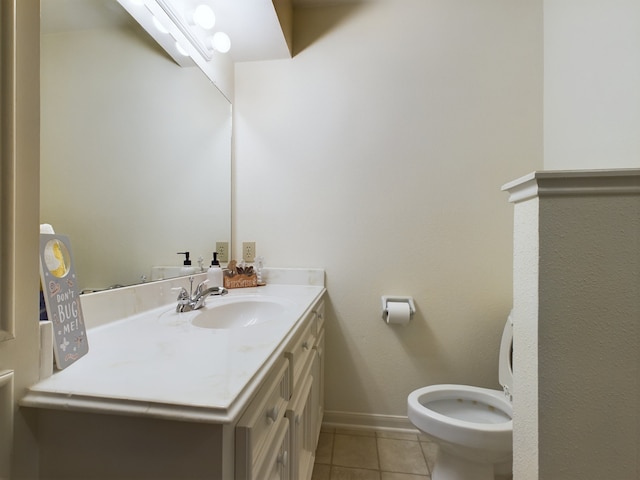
135,151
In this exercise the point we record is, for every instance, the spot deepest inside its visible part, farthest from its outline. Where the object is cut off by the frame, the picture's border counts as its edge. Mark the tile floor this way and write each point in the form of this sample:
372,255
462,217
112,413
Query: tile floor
369,455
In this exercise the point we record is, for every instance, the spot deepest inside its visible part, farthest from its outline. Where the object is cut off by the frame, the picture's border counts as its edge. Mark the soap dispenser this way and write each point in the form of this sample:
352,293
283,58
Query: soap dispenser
187,269
214,274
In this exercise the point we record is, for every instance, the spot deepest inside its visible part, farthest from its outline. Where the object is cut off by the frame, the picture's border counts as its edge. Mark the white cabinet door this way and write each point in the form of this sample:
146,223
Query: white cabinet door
300,415
317,389
277,466
260,424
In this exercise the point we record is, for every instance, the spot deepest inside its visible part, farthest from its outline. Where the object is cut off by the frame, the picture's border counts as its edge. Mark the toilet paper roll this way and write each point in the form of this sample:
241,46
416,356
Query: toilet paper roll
398,313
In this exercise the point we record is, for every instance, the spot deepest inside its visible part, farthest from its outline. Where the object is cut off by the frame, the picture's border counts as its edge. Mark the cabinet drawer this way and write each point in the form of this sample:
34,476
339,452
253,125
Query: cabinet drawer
257,427
300,415
317,372
320,317
301,348
275,465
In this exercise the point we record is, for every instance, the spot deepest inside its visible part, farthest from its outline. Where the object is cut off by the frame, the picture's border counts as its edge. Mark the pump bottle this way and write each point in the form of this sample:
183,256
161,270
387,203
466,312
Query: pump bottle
186,269
214,274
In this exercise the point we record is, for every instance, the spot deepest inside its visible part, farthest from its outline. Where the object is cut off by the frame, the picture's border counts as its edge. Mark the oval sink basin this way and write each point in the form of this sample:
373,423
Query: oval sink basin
245,313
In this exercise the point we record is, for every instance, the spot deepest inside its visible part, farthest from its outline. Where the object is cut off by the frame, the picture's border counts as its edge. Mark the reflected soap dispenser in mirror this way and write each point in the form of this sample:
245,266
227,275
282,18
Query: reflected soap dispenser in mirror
187,269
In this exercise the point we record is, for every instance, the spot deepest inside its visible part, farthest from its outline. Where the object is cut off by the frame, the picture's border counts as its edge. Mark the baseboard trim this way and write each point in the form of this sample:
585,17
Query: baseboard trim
366,421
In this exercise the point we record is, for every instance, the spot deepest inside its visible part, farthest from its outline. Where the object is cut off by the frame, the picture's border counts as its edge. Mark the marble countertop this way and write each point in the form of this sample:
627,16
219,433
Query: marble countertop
158,364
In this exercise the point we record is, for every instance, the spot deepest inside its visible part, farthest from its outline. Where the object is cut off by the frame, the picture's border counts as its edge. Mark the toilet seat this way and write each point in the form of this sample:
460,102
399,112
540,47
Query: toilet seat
505,362
472,426
462,414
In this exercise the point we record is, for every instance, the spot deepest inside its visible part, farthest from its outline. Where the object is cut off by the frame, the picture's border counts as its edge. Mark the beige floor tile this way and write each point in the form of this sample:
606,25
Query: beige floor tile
398,435
355,451
401,456
321,472
402,476
344,473
325,448
356,431
504,477
430,451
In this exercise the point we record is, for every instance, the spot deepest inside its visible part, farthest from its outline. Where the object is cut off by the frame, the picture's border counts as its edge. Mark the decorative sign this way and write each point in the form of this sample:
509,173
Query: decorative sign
62,299
240,280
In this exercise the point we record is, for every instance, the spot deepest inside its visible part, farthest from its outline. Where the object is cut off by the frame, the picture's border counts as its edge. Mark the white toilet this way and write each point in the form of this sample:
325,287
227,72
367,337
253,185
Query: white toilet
471,425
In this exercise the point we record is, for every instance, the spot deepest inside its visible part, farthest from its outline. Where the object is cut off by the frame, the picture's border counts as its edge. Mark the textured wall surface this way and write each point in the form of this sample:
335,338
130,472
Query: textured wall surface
589,337
578,328
525,340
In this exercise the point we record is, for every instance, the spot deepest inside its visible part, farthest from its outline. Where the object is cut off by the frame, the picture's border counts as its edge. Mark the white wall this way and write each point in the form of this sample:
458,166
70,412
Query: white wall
378,153
591,78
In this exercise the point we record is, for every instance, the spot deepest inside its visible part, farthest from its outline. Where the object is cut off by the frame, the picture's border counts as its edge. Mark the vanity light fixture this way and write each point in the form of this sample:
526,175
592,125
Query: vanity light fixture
221,42
184,29
195,25
204,17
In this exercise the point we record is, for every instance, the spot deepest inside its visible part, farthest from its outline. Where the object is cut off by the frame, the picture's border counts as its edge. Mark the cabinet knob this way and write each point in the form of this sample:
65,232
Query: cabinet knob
272,415
305,345
283,458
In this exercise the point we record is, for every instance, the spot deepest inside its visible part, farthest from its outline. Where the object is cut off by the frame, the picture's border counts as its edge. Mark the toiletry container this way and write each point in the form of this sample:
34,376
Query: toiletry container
186,269
214,274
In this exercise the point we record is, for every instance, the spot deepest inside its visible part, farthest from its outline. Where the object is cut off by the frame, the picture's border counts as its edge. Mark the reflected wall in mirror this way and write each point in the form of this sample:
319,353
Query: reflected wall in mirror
135,150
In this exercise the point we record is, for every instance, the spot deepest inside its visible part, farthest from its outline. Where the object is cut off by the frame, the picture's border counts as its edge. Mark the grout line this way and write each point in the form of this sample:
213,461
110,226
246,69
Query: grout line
333,447
379,470
424,455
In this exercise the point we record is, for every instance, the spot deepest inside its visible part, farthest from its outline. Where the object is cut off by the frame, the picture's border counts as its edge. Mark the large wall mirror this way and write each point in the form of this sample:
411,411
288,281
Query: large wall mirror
135,150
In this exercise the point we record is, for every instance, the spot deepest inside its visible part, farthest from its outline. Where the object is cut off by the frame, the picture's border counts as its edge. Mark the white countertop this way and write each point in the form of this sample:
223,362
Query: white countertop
158,364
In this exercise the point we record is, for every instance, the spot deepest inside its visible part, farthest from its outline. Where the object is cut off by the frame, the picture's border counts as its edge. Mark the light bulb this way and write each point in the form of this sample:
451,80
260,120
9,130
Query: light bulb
203,16
221,42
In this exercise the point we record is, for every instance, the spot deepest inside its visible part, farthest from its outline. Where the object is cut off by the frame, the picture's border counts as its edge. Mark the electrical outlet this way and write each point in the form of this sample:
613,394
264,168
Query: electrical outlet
248,251
223,251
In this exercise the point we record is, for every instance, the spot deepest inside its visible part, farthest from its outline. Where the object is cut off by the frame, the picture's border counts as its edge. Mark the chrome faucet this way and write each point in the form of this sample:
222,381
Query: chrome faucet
188,301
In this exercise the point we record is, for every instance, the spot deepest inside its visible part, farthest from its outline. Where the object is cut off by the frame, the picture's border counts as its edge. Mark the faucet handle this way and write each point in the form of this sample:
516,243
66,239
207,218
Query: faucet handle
201,287
183,294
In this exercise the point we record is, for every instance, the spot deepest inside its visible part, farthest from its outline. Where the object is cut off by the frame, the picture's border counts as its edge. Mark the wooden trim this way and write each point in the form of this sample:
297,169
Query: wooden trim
574,183
7,165
6,421
365,421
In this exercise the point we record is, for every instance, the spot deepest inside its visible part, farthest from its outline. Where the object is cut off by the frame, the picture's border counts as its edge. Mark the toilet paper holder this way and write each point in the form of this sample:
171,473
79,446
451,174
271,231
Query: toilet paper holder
390,298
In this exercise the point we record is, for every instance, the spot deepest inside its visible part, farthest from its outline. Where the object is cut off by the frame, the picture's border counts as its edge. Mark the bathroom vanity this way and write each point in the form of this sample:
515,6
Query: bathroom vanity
231,391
